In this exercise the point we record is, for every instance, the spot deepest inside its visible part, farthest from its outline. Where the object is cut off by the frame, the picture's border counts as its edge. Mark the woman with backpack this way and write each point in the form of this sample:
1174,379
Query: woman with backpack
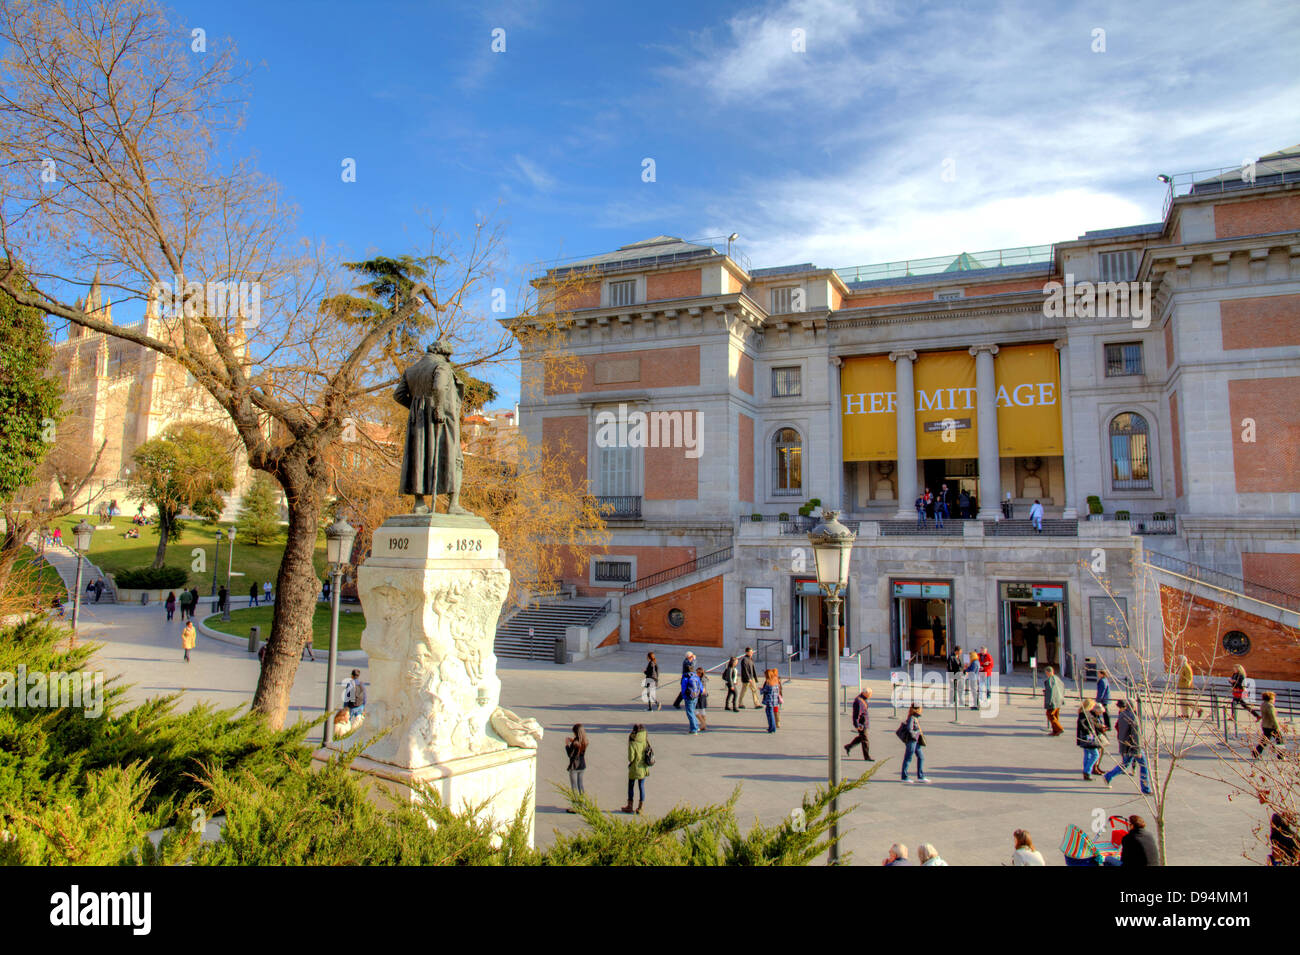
640,757
650,685
909,731
730,678
771,697
171,604
575,747
1089,737
702,703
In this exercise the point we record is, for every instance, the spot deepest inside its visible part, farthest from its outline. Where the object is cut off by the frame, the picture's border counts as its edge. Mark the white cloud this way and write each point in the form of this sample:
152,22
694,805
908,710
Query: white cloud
533,173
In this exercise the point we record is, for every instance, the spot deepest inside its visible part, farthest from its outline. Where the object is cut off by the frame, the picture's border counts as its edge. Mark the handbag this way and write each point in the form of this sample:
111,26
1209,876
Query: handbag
648,758
920,739
902,732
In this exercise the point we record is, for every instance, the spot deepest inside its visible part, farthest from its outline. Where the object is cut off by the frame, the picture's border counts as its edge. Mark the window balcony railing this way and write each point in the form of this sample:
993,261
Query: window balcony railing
619,507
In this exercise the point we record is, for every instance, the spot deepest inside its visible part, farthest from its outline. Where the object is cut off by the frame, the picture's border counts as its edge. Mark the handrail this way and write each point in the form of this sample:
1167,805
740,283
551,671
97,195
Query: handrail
681,570
1228,584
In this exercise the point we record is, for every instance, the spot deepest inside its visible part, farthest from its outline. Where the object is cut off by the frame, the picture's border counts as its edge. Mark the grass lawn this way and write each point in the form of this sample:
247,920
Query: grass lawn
43,580
350,624
114,552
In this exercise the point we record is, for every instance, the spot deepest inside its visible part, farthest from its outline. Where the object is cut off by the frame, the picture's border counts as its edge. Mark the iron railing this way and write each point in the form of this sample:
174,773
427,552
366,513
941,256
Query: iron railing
1228,179
681,570
962,262
1222,581
619,507
1161,522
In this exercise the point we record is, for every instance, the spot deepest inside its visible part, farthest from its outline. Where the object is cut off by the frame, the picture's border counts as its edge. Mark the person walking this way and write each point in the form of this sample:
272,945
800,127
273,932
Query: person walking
1130,747
223,599
963,502
780,695
986,673
1088,737
575,747
909,731
1053,700
640,757
771,699
861,723
1025,853
954,673
307,648
186,598
749,678
928,854
1186,689
171,604
731,680
1138,848
1238,681
1036,515
1103,696
920,512
354,695
972,674
1268,725
702,703
690,695
325,590
688,667
650,683
188,639
267,593
194,601
99,588
252,594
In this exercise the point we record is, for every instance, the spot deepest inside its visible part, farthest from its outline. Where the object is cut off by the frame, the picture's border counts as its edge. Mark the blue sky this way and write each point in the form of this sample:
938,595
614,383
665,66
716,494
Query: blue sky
833,155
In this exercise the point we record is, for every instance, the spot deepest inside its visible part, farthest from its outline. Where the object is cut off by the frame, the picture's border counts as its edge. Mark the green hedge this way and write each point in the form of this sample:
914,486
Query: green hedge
152,578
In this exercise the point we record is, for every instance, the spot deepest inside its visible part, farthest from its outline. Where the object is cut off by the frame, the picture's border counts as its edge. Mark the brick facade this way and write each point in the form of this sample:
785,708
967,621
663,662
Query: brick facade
701,605
1268,322
1271,463
1257,216
1195,627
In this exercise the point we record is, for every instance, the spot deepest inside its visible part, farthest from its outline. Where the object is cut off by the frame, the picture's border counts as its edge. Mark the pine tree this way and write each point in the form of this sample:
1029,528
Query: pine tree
259,512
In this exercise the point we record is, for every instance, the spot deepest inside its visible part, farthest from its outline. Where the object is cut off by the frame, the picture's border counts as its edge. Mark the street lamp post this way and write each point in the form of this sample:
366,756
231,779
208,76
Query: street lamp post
216,565
82,534
832,543
230,563
338,551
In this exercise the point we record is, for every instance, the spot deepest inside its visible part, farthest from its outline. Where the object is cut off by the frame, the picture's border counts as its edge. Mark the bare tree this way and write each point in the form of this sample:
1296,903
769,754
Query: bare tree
111,126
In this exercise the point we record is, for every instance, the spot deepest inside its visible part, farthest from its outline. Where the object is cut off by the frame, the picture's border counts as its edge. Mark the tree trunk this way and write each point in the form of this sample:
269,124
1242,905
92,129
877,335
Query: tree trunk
295,599
164,527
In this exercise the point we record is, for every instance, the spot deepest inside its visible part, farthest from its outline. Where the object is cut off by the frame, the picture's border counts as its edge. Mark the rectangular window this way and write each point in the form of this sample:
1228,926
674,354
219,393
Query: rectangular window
786,382
1118,266
1124,359
614,571
622,293
616,471
787,299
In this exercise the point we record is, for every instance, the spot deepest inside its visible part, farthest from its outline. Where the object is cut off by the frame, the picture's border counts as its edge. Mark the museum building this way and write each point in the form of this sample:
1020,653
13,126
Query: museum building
1139,383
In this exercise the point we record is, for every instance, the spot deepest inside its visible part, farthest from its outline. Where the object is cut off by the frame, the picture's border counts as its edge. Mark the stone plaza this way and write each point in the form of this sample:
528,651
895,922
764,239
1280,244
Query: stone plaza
990,776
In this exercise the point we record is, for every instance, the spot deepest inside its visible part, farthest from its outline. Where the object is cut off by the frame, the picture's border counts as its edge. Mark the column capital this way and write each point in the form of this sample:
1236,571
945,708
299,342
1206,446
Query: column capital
976,349
1061,344
836,360
909,355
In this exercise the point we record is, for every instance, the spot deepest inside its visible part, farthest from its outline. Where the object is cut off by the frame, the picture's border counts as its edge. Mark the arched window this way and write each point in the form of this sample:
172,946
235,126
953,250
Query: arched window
787,459
1129,460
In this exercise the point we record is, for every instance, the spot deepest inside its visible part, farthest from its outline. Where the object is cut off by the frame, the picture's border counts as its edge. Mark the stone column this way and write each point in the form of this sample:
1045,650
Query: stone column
986,393
905,405
1071,512
835,495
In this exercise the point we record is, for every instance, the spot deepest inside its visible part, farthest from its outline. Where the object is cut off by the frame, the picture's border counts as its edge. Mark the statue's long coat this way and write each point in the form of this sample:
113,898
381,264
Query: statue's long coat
432,462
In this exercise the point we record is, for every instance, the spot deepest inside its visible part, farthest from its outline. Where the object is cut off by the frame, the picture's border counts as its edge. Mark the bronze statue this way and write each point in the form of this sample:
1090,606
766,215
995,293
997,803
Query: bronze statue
432,462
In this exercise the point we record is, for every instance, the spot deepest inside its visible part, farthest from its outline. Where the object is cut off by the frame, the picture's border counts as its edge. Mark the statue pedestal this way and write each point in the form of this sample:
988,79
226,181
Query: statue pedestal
432,591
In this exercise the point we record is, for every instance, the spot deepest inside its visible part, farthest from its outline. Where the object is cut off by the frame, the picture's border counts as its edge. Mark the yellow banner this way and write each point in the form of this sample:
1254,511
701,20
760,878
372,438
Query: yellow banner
867,414
1029,400
945,406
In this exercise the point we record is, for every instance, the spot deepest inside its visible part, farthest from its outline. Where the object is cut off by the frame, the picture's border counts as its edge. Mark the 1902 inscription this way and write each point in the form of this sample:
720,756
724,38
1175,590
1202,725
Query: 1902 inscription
399,543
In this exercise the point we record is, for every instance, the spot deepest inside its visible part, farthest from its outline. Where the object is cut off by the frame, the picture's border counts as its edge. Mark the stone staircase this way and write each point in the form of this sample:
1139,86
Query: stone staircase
546,621
64,560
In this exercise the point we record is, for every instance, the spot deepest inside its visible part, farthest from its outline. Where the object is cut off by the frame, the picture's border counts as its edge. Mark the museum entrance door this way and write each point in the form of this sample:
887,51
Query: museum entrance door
1034,627
811,619
922,617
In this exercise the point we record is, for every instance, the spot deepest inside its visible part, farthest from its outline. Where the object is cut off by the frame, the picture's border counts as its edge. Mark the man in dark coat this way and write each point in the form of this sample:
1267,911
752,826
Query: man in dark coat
432,462
1139,846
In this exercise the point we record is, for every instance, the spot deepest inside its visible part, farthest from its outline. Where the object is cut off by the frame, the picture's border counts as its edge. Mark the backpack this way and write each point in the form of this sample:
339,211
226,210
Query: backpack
358,693
648,757
903,733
